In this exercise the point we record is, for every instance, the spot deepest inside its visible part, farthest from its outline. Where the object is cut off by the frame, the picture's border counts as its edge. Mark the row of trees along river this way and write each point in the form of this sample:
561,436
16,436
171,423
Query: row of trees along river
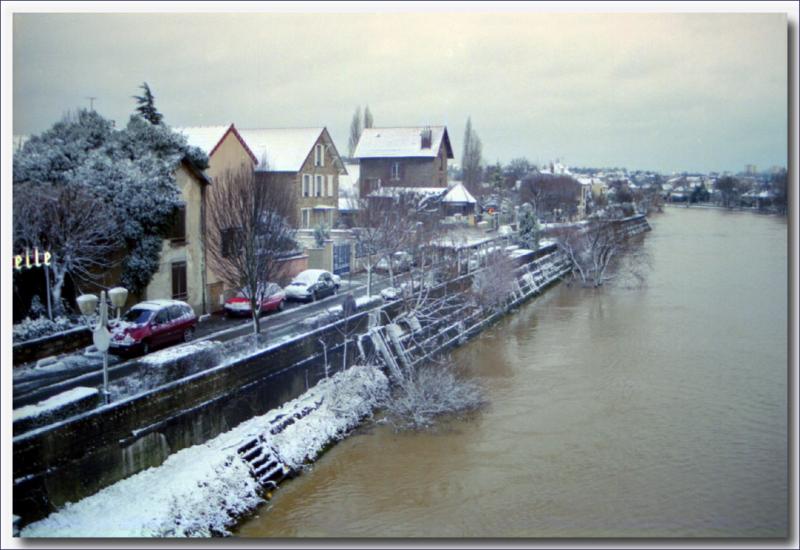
654,410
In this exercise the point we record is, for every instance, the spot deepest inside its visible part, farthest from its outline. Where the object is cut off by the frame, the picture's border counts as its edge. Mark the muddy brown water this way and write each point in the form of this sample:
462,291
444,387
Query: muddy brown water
658,411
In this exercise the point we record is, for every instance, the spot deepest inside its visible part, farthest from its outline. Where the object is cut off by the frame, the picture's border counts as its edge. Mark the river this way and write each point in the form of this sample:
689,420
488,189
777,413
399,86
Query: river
658,411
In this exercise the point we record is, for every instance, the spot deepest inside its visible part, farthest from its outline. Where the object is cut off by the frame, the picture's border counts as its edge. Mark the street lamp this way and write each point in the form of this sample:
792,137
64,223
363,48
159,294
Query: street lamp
100,334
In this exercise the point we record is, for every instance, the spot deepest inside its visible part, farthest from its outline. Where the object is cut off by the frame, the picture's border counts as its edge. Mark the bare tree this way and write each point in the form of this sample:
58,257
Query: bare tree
76,228
601,251
355,132
249,233
384,226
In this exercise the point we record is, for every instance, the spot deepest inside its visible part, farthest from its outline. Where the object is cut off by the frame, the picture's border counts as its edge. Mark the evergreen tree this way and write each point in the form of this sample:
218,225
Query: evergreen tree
529,229
131,172
147,108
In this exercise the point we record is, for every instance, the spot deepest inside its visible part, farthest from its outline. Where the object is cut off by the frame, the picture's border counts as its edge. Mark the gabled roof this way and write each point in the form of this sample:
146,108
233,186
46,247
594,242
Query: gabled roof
459,194
284,149
401,142
209,138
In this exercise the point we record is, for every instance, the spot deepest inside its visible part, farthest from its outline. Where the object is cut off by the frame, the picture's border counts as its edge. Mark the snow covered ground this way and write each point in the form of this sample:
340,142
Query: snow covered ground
203,490
51,405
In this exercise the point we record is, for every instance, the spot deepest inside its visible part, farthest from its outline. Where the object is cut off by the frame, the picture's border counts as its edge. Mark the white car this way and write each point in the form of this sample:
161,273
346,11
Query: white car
401,261
311,285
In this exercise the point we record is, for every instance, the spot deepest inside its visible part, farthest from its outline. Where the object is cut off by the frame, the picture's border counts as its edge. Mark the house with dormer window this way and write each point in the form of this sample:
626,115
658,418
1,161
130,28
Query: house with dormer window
403,157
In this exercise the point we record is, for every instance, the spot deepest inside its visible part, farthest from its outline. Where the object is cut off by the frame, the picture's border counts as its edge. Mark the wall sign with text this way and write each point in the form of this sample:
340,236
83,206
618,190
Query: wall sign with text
30,260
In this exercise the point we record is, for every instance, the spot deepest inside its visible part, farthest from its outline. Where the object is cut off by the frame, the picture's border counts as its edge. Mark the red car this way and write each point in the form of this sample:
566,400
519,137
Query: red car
153,324
240,304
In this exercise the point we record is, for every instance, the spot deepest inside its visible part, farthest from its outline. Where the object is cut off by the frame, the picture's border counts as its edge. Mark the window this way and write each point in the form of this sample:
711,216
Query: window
162,317
441,163
176,312
330,185
306,185
230,242
319,155
395,170
320,185
306,215
177,230
179,281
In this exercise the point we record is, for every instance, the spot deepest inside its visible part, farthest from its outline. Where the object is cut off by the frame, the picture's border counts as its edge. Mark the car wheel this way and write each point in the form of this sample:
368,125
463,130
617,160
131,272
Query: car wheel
281,305
314,296
188,334
145,347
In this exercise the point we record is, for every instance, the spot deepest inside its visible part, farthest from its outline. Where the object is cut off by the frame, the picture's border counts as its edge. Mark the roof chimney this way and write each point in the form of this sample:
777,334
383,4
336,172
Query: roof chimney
425,138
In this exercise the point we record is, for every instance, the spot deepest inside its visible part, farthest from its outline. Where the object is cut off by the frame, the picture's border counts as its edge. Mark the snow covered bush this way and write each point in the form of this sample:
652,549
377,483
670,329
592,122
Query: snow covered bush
492,286
30,329
428,392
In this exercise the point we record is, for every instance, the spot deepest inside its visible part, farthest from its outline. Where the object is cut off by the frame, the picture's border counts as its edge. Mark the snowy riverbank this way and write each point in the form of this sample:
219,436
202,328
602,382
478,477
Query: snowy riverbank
202,490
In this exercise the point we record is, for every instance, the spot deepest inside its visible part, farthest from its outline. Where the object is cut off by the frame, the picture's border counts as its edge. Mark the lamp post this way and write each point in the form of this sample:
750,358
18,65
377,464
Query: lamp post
100,334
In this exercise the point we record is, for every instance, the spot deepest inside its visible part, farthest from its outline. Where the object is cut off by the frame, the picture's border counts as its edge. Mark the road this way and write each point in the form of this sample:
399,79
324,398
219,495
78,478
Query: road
34,384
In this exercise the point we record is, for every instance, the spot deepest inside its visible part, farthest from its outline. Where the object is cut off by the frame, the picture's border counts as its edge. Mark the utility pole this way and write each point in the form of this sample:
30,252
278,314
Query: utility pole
91,102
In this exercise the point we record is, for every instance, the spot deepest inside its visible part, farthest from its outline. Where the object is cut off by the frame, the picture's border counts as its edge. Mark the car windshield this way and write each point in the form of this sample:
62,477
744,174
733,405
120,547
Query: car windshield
138,316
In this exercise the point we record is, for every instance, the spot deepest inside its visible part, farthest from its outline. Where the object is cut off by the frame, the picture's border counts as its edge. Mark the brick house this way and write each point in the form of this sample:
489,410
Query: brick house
403,157
305,159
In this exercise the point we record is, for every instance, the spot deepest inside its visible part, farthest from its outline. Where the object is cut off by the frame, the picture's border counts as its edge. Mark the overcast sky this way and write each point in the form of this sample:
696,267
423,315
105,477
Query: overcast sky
670,92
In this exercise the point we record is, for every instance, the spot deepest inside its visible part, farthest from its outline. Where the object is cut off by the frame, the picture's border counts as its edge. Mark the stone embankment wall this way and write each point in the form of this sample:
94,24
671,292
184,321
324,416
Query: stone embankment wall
62,342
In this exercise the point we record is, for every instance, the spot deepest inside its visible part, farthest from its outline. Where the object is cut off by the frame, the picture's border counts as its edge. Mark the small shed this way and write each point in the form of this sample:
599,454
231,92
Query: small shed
458,200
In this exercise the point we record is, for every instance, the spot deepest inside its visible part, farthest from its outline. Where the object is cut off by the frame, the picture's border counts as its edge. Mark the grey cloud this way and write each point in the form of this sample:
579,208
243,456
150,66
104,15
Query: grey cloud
641,90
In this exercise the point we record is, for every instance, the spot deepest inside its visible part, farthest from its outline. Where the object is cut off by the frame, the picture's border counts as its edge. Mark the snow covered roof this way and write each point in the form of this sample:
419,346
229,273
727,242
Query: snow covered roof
401,142
459,194
157,304
205,138
347,204
309,276
348,183
281,149
208,138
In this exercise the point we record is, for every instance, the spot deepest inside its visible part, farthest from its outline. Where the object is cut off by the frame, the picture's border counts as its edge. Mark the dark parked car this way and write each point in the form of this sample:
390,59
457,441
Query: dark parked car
153,324
312,284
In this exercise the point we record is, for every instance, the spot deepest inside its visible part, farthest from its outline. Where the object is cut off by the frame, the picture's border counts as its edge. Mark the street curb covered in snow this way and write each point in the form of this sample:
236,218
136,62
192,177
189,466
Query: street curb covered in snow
203,490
